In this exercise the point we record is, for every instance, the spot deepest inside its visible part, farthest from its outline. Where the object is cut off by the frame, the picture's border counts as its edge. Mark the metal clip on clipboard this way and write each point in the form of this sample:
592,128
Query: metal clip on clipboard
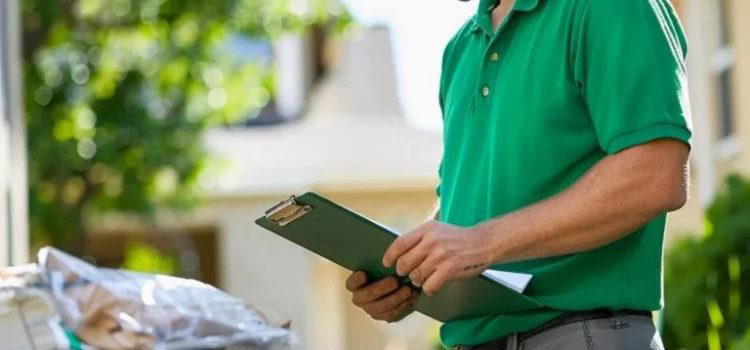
287,211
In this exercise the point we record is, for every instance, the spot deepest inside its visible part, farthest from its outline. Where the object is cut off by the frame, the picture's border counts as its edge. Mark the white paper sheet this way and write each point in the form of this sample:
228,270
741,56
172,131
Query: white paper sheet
512,280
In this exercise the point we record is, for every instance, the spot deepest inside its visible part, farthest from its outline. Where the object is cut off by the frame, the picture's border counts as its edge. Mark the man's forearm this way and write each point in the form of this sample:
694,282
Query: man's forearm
616,197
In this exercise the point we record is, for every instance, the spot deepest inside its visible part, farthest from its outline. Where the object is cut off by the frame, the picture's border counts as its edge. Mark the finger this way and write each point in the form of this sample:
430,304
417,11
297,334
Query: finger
356,279
376,290
389,302
436,280
421,273
400,311
401,245
411,259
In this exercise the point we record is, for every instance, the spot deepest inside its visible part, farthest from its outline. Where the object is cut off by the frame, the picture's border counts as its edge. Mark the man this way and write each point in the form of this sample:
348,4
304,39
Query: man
566,141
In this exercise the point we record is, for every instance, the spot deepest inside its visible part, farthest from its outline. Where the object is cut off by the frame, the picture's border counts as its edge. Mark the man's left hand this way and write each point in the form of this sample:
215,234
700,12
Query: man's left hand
436,253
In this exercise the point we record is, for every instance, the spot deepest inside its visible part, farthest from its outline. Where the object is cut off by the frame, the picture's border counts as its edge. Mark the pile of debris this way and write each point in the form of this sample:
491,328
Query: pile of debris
65,303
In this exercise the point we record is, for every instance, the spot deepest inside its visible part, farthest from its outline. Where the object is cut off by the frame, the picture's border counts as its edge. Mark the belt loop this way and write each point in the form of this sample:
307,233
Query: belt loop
618,321
512,342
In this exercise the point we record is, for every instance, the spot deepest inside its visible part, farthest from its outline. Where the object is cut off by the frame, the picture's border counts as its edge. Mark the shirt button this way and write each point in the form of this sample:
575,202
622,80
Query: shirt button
485,91
495,57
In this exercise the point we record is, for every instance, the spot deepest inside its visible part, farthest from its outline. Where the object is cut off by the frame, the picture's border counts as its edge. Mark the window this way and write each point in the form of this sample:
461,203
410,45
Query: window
726,128
724,61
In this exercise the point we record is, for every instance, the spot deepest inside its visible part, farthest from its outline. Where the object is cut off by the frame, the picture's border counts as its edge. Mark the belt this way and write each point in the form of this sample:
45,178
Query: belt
562,320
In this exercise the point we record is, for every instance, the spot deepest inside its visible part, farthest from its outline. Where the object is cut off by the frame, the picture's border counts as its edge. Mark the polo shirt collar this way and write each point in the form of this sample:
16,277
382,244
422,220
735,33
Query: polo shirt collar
483,17
526,5
520,5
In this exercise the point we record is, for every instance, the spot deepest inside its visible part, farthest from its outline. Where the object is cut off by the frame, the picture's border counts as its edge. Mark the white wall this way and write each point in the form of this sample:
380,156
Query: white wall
13,183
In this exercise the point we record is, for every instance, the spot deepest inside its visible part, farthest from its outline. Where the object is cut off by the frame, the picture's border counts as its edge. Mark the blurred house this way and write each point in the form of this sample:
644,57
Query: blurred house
351,144
13,189
343,134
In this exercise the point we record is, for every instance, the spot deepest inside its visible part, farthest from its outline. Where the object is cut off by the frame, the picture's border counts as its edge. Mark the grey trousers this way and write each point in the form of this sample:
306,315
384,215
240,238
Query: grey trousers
626,332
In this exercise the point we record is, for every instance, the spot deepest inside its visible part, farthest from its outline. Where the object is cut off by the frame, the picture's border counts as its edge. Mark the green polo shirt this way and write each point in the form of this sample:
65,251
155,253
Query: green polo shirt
528,109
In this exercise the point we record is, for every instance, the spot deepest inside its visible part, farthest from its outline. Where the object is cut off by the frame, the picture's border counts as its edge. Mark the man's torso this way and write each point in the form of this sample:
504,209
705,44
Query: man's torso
518,128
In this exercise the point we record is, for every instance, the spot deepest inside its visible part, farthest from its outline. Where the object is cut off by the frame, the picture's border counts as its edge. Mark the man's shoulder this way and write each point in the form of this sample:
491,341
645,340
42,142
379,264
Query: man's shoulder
457,39
623,8
469,25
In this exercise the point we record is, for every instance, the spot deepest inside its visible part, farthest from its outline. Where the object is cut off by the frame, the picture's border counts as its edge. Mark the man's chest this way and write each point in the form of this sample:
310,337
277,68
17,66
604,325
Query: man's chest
520,76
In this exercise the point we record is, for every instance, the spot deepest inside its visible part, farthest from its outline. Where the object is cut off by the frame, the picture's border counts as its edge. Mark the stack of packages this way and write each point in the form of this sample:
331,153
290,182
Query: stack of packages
116,309
28,319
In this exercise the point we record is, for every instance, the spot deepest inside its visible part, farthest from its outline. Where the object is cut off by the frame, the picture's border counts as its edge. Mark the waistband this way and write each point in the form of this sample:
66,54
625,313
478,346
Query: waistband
562,320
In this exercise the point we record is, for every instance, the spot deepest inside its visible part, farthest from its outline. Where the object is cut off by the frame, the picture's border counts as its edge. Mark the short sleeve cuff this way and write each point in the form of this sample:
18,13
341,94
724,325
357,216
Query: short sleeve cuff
649,133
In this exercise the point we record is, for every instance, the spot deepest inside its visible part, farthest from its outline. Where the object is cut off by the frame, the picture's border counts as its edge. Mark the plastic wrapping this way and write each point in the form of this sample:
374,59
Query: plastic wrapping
28,319
116,309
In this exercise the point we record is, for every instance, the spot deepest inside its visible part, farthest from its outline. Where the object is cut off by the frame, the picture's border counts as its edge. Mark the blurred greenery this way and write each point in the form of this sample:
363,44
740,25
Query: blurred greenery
119,92
143,257
707,278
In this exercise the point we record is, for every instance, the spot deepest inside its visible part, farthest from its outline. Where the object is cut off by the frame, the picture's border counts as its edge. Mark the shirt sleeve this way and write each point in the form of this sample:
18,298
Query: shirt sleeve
630,66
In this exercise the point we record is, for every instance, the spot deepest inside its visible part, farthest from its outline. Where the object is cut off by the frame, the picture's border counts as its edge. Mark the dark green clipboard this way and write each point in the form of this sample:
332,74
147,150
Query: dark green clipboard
357,243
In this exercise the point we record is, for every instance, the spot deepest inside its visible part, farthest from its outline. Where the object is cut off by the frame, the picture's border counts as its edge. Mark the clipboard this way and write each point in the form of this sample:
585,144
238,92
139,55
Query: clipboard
357,243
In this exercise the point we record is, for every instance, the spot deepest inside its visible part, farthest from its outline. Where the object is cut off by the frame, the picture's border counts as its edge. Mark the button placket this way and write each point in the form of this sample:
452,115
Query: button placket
490,64
490,68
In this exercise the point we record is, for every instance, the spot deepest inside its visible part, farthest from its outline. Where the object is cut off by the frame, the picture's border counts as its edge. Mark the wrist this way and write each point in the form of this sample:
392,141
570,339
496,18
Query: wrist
488,233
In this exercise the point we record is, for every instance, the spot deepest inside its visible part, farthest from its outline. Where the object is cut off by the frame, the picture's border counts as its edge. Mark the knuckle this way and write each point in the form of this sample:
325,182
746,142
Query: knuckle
372,295
363,293
414,277
441,244
355,280
455,268
376,309
391,284
451,265
401,266
404,294
397,244
369,310
440,251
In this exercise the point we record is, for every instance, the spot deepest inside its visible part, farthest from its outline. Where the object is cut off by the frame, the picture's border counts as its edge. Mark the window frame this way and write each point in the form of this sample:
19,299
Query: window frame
723,65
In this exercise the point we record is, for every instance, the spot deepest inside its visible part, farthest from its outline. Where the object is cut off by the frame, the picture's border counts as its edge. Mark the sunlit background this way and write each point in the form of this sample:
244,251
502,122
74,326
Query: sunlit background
149,134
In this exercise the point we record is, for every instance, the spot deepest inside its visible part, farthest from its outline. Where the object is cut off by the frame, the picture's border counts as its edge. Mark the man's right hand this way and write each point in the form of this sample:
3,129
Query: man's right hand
383,300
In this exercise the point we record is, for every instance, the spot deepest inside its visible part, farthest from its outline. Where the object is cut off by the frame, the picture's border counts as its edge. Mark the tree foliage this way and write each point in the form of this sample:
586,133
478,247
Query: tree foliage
118,93
707,279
